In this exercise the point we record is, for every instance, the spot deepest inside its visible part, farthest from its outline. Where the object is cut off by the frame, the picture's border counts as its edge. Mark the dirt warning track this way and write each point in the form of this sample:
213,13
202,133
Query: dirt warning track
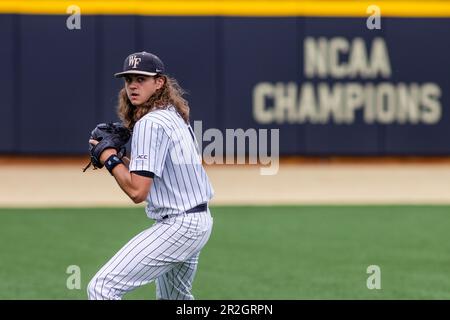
44,184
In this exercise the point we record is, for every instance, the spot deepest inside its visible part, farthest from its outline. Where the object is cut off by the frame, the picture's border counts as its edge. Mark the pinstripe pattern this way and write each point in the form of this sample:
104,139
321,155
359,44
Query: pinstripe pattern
164,144
177,284
168,251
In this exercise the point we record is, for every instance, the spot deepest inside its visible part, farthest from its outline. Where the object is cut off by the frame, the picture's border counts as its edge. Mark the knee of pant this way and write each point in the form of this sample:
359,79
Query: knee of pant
91,289
96,289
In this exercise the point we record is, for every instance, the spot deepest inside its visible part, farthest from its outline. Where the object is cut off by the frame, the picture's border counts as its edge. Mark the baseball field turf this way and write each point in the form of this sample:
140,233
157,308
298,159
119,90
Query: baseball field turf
283,252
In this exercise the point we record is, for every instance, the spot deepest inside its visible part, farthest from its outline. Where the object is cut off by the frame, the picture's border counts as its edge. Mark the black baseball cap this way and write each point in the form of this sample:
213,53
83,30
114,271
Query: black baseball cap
143,63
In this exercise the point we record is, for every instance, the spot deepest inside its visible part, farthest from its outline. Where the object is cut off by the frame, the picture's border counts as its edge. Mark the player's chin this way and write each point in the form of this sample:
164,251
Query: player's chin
136,102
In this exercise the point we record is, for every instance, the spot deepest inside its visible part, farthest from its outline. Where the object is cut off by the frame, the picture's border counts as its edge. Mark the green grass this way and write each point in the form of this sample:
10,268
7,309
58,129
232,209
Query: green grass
283,252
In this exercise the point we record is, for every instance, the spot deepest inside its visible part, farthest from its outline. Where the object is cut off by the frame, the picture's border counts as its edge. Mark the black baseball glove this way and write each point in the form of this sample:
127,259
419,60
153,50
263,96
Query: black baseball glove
109,135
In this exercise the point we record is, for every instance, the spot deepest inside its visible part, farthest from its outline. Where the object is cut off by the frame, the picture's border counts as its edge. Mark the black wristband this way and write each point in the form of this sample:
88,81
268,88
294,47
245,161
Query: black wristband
112,162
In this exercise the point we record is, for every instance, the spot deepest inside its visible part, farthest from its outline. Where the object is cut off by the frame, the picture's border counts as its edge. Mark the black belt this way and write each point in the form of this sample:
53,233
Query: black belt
201,207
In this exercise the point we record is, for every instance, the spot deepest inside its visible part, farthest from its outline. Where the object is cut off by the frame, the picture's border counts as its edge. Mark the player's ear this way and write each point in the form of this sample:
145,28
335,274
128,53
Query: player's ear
160,82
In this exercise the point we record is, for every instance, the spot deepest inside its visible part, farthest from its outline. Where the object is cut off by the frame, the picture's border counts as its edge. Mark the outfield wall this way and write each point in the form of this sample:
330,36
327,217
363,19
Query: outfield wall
316,72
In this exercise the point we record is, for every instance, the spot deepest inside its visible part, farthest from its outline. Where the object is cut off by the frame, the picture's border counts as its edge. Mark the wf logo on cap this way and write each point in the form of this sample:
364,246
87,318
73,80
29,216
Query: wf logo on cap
134,61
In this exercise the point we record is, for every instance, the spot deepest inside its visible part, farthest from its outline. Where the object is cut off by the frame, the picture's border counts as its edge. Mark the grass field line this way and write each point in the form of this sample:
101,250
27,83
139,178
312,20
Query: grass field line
67,186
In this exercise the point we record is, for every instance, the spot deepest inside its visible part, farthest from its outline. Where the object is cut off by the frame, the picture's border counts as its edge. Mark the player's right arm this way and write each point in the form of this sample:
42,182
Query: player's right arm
148,153
126,161
135,186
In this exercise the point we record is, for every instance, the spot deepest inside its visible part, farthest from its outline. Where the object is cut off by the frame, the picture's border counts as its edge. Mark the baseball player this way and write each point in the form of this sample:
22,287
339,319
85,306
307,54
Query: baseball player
165,170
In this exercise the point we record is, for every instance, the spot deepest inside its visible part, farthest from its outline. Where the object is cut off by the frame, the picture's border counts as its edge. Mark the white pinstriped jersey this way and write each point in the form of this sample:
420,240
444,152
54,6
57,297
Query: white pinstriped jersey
165,146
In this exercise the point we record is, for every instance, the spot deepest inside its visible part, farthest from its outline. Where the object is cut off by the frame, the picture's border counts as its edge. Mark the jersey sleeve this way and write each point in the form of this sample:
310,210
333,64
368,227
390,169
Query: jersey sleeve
149,147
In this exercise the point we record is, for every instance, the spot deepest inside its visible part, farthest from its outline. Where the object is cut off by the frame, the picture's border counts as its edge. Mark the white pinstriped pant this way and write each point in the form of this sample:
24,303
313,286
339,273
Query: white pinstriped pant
166,252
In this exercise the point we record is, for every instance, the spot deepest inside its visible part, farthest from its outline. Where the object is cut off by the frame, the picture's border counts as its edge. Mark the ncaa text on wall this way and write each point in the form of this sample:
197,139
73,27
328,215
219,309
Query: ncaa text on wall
359,83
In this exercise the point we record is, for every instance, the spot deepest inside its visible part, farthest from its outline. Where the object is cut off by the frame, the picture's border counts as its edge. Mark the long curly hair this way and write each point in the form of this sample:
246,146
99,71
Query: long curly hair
169,94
